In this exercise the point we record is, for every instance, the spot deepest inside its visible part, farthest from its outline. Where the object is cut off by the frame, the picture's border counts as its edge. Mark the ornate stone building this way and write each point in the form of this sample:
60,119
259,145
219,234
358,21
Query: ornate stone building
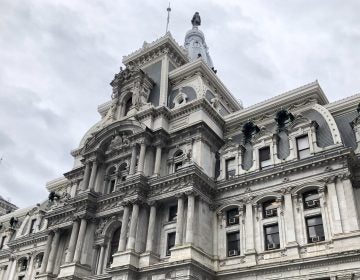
178,181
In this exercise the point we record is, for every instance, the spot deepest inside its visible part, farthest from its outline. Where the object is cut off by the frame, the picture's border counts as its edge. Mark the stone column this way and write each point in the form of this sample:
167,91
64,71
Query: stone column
151,228
53,252
80,240
12,270
157,161
352,215
133,226
93,175
101,259
86,176
133,160
190,218
72,243
334,203
164,81
249,228
324,212
179,221
30,267
142,157
215,233
46,253
289,218
2,271
124,225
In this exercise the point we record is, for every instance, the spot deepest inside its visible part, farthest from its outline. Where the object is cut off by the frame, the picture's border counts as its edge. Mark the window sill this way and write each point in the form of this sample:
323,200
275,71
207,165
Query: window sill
169,223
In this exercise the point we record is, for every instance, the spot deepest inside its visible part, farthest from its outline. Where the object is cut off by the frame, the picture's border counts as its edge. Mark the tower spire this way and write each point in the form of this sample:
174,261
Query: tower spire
168,18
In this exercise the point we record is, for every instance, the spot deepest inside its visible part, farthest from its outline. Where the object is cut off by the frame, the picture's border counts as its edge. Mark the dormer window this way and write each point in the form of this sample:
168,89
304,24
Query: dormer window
111,174
230,168
264,157
180,99
270,209
303,146
128,105
32,226
311,199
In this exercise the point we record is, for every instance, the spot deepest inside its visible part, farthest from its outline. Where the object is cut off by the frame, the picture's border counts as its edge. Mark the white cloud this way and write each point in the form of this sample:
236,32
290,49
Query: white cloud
58,57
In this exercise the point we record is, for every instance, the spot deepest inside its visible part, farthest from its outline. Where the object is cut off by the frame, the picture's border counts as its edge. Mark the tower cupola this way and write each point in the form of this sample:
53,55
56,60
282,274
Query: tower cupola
195,42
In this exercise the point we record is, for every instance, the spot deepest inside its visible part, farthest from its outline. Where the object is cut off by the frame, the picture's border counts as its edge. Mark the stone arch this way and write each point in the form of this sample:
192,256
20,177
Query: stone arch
228,206
266,196
110,227
307,186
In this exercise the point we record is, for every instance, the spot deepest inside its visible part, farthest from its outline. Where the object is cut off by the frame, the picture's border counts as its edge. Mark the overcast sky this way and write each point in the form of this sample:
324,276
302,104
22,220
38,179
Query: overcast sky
58,57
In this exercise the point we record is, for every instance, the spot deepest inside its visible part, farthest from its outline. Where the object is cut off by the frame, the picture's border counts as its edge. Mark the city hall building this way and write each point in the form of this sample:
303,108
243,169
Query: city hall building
178,181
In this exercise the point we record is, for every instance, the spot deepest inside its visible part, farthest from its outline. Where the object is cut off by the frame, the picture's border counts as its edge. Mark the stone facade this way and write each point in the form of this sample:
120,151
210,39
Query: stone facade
178,181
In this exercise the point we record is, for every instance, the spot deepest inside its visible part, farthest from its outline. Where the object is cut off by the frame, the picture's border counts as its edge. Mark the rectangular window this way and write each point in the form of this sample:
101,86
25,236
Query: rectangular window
272,239
32,226
233,244
178,165
112,186
315,229
232,217
230,168
172,213
303,146
264,157
170,242
2,243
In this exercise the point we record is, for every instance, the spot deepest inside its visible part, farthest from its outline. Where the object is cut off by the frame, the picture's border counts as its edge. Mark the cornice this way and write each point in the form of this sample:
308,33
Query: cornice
344,105
28,240
149,51
284,169
309,93
199,66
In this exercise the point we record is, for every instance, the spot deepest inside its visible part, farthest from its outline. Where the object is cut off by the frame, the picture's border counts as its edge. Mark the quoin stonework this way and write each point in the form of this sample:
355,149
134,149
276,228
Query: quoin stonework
178,181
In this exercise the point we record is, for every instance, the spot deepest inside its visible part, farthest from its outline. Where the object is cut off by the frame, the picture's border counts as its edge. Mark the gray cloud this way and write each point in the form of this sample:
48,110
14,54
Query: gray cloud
58,57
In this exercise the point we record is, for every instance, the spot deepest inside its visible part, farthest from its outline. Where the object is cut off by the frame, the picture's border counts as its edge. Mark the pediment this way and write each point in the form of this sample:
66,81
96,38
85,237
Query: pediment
116,134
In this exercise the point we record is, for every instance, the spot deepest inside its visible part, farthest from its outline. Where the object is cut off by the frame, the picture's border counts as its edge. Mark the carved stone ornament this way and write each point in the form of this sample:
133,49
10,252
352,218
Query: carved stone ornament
119,142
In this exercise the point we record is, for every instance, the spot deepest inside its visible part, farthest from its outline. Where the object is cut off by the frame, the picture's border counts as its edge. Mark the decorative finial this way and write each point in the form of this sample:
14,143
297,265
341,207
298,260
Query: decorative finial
196,20
168,17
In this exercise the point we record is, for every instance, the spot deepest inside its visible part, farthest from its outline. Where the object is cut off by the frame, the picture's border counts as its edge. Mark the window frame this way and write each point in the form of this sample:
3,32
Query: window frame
274,210
230,173
268,162
298,150
237,241
172,217
168,245
316,202
229,215
32,226
310,239
266,242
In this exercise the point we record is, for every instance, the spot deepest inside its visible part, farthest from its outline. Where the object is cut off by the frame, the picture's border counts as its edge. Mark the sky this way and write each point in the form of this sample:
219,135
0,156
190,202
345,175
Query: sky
57,59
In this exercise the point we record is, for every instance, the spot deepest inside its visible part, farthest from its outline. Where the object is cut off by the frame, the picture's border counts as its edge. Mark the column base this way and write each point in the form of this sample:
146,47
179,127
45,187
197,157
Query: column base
292,250
74,269
125,258
187,251
250,257
45,276
148,258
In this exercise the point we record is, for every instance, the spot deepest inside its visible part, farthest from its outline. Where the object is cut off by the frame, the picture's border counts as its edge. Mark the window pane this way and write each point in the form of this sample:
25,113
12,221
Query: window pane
230,164
264,154
304,153
302,143
314,221
271,229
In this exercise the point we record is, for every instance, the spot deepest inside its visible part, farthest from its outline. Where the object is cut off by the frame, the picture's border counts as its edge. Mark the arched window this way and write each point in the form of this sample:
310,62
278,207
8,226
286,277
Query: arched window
178,159
123,171
111,175
128,105
114,244
23,263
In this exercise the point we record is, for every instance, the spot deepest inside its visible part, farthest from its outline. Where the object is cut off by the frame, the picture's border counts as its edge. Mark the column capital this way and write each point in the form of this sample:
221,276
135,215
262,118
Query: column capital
191,192
330,179
345,176
180,195
286,190
153,203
